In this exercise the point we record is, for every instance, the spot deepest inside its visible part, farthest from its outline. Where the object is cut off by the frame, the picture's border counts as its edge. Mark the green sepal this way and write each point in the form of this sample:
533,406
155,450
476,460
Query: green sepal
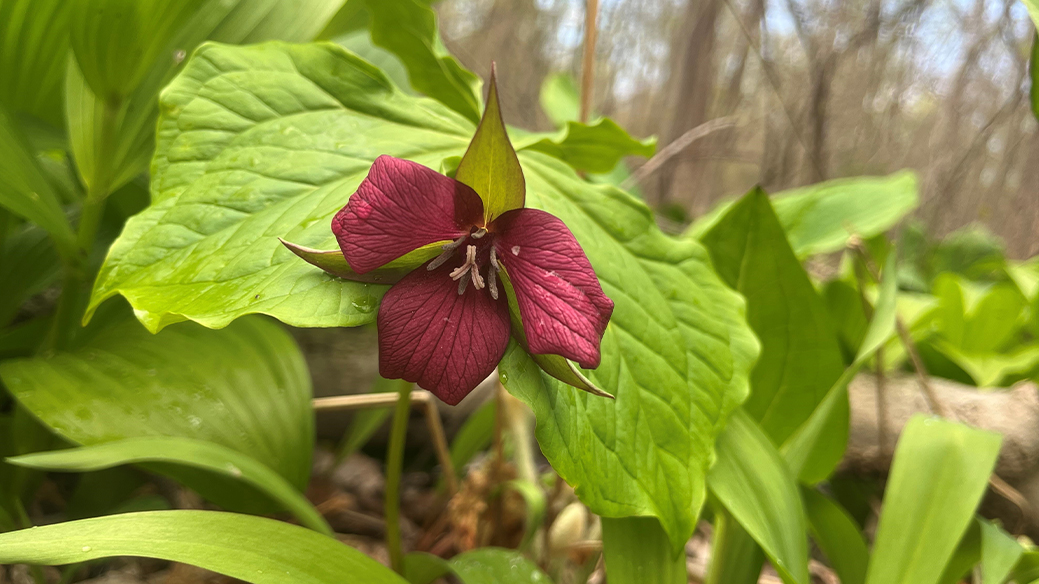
555,365
334,263
490,165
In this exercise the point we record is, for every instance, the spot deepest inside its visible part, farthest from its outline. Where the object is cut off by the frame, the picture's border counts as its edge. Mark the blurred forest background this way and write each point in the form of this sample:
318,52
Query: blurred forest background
815,90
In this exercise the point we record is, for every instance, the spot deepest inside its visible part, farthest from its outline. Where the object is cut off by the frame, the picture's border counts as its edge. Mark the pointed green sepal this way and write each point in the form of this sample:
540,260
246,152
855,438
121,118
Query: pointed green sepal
335,264
490,165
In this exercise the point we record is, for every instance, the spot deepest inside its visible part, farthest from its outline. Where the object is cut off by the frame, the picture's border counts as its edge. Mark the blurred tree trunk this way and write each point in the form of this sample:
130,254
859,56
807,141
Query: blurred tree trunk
690,91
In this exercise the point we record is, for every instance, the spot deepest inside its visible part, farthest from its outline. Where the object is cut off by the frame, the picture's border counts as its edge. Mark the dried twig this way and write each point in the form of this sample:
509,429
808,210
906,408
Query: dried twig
676,147
591,14
419,397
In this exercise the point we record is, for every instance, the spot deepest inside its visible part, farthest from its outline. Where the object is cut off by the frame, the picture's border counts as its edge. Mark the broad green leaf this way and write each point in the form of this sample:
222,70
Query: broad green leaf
253,549
245,388
965,557
424,568
25,191
820,218
837,535
116,41
560,99
33,55
999,553
496,566
797,450
1025,276
751,480
978,319
800,358
408,29
182,451
992,369
597,147
173,260
938,475
637,550
676,356
678,348
490,165
109,156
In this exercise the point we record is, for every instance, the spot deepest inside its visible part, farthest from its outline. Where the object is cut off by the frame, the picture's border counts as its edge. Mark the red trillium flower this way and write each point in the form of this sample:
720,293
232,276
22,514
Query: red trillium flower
446,324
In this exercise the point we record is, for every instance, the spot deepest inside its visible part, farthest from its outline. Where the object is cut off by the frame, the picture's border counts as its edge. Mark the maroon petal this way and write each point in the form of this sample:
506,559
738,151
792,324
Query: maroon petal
562,305
401,206
446,342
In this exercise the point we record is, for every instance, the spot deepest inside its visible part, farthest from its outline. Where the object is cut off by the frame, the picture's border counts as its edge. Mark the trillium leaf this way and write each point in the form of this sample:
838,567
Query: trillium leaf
330,114
245,388
490,165
269,141
821,218
253,549
596,147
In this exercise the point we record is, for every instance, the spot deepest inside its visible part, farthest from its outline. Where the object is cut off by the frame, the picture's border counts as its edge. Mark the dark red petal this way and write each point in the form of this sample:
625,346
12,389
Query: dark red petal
562,305
446,342
401,206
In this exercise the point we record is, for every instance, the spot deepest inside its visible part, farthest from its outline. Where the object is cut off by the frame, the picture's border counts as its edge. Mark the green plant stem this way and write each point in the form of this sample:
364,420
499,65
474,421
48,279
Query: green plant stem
77,273
394,470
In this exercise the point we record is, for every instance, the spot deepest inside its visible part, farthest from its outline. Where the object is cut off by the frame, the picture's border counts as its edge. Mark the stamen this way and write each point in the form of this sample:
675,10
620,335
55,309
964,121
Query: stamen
492,285
479,233
492,275
461,285
443,257
470,262
477,278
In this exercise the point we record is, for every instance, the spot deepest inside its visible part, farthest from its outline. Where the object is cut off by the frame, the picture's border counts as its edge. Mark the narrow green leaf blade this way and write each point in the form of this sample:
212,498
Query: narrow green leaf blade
752,482
798,448
999,553
490,165
245,387
636,550
33,56
184,451
116,41
837,535
25,191
408,29
253,549
939,473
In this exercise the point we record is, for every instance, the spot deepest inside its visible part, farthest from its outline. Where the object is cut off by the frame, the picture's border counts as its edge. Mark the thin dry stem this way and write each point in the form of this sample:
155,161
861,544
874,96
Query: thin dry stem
588,63
384,400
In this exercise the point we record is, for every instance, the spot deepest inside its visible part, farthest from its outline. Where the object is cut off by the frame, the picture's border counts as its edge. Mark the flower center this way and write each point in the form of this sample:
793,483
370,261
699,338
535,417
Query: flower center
469,271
